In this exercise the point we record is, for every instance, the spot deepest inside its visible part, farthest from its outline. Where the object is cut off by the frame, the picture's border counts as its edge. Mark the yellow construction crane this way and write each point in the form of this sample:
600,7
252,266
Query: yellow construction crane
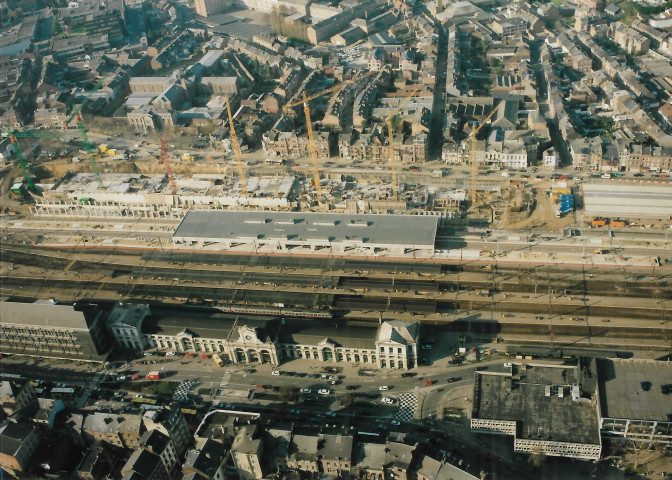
393,164
236,148
309,126
472,136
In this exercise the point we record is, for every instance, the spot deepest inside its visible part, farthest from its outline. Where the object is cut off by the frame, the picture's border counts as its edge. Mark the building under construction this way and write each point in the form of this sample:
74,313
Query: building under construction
151,196
154,196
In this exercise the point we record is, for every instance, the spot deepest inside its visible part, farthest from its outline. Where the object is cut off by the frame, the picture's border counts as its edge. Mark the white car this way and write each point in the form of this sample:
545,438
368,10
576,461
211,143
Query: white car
305,390
333,377
275,372
383,387
395,422
387,400
324,391
170,354
508,364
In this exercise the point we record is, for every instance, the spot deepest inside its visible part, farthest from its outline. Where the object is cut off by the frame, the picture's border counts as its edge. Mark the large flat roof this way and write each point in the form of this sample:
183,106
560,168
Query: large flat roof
521,397
47,315
621,393
618,199
295,227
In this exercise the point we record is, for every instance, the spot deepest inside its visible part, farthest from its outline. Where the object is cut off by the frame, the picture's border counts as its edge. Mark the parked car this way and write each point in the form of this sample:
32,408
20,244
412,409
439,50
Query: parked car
324,391
387,400
428,382
352,387
305,390
395,422
275,372
383,387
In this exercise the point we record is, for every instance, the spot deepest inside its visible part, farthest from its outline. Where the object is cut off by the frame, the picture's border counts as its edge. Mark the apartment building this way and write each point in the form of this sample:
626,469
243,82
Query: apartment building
14,396
335,454
145,465
18,443
206,8
122,430
291,145
247,453
207,460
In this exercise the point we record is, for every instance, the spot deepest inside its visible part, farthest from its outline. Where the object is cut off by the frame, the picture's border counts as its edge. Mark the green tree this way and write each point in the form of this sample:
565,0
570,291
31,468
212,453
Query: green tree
289,393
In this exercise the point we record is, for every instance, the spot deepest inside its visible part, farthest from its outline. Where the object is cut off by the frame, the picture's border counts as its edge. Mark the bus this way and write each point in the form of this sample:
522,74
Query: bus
63,392
218,361
144,400
275,161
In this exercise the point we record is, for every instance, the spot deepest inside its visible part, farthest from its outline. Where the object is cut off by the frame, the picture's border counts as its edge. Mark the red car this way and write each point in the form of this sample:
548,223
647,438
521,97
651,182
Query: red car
428,382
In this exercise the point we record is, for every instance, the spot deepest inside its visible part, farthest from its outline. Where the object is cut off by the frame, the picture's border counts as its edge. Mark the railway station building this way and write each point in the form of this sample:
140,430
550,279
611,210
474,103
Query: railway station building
309,232
248,339
548,409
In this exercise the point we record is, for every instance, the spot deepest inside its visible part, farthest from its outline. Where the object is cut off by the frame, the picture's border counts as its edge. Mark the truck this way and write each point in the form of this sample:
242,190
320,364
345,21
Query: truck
619,223
153,375
218,361
598,222
601,251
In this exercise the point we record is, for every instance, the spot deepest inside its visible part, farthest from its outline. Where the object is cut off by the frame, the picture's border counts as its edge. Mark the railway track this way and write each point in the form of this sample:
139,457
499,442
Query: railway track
424,291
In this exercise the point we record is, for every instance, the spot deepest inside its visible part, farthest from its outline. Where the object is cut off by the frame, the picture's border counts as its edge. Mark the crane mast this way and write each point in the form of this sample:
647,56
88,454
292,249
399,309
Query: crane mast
309,125
89,152
311,146
24,167
236,148
165,161
474,133
393,163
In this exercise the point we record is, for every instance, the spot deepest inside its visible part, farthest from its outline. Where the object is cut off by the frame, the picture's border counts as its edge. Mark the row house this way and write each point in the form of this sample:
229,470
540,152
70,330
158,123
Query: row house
576,59
291,145
365,101
630,39
586,153
657,37
50,117
414,149
365,147
653,158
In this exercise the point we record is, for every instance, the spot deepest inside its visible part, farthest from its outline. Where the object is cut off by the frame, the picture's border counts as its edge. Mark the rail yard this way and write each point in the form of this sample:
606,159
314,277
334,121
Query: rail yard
607,306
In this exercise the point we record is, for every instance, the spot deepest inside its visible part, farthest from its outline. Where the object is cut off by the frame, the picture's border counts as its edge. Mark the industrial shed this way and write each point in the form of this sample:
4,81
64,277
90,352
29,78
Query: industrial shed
617,199
283,231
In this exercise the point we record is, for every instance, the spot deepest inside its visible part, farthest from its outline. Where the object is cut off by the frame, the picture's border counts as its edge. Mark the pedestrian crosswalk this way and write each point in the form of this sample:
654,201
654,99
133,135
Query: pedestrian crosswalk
225,380
182,392
408,402
84,393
